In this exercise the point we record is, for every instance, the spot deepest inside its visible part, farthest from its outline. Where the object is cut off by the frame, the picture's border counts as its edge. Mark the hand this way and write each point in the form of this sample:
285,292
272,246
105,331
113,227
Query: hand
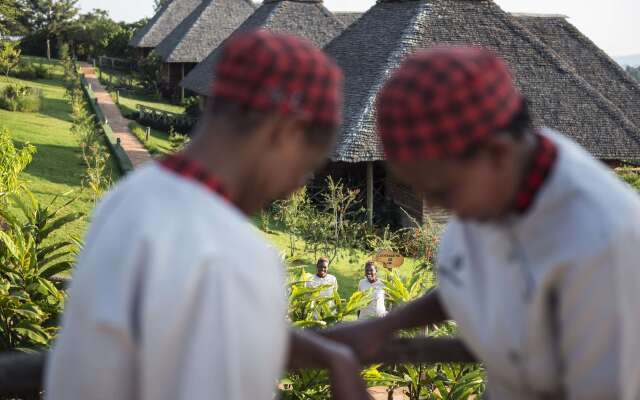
365,338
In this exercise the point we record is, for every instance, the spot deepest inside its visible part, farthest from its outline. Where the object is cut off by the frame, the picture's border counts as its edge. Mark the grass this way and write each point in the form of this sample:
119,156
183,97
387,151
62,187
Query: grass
158,142
57,167
130,99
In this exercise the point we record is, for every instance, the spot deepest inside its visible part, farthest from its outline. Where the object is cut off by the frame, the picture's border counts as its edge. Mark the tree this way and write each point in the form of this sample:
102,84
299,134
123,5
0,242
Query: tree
158,4
51,17
92,33
9,56
11,13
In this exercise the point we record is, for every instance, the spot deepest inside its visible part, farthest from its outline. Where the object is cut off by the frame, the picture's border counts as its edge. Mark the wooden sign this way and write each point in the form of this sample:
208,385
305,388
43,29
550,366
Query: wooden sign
389,259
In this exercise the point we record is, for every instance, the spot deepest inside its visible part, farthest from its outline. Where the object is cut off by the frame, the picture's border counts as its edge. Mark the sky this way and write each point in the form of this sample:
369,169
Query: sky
614,25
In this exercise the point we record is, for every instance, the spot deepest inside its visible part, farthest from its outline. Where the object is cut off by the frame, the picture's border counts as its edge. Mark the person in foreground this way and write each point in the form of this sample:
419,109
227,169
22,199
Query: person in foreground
176,296
537,263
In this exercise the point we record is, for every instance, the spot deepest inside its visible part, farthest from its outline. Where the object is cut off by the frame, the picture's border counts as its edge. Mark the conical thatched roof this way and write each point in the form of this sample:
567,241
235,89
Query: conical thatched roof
305,18
378,41
204,30
587,59
166,19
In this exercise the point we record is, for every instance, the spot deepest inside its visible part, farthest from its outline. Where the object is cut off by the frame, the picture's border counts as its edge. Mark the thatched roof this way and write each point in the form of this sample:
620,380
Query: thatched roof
204,30
588,60
163,23
347,18
305,18
377,42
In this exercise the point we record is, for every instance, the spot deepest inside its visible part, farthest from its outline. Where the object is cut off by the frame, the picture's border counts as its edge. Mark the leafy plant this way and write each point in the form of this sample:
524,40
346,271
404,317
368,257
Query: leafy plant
12,162
9,56
30,299
20,98
177,140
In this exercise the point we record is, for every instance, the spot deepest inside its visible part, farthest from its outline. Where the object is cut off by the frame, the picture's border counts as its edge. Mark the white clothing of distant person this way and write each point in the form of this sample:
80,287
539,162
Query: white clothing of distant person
549,300
329,279
376,307
175,297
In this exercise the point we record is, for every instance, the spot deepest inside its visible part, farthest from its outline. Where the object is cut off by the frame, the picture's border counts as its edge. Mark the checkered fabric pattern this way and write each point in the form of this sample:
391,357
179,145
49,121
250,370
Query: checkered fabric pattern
191,170
269,71
440,102
543,161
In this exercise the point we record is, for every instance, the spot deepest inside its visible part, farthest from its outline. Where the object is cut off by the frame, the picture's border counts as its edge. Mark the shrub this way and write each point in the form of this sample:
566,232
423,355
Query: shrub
192,106
20,98
12,162
30,300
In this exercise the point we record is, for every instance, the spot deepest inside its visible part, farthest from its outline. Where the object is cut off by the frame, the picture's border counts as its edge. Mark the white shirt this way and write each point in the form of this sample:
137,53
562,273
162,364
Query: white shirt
537,297
175,297
327,280
376,307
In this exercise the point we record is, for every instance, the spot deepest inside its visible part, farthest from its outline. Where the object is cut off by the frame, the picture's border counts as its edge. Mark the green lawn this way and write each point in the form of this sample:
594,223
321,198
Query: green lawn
158,142
57,167
130,99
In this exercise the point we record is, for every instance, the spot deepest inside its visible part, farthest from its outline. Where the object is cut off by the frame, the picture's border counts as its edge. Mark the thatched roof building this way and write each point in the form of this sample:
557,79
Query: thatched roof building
559,97
166,19
196,36
305,18
204,30
587,60
348,17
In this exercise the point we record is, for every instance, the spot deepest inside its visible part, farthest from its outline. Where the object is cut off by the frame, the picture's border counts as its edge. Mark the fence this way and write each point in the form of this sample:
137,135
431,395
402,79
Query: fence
21,373
163,120
116,64
122,159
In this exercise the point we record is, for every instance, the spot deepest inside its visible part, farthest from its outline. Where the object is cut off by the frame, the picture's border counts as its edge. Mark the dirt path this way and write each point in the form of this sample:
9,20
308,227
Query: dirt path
137,153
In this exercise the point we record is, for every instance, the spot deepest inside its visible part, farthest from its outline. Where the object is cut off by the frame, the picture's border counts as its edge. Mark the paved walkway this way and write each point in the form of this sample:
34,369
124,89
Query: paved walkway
137,153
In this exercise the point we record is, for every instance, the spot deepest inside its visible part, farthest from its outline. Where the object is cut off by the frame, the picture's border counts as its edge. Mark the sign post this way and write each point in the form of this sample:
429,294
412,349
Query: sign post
389,259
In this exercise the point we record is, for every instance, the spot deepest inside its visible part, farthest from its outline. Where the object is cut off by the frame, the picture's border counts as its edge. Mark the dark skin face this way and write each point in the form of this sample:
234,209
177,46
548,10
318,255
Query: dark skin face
322,268
482,187
370,273
258,167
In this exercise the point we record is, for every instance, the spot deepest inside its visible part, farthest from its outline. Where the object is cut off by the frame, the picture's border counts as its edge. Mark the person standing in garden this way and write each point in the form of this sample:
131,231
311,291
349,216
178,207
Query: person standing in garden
539,264
371,282
323,278
175,295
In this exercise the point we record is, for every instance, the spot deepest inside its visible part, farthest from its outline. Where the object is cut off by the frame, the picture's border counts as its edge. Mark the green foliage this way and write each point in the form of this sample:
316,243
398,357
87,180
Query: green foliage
630,176
12,162
20,98
150,72
11,13
30,299
178,141
9,56
192,106
308,309
30,71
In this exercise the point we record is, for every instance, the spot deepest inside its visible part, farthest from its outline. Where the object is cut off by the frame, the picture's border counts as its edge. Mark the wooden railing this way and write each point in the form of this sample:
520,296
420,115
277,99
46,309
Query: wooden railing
21,374
156,117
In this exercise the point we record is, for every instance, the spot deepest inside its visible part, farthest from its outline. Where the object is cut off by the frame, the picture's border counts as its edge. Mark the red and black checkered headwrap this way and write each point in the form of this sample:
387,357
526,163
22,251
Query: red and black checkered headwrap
441,101
268,71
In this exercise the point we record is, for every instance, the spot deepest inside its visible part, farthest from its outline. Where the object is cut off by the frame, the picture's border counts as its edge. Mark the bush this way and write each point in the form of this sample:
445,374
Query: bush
29,71
20,98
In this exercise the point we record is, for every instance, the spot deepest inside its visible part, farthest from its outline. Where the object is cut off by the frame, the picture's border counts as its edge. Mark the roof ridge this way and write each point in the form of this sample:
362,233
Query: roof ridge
546,52
388,69
579,36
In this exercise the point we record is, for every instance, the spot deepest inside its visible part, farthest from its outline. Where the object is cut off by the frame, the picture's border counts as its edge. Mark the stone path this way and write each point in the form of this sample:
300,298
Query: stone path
136,152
